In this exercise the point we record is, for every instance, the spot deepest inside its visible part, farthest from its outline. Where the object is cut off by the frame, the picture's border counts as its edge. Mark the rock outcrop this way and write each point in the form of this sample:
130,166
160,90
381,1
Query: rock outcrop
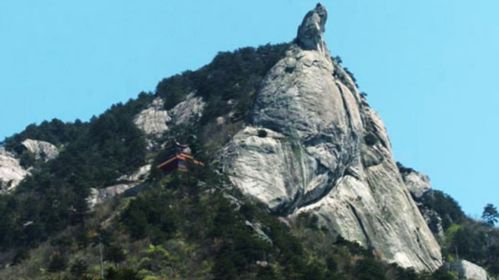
124,183
311,30
154,121
417,183
315,147
41,150
11,171
189,110
469,271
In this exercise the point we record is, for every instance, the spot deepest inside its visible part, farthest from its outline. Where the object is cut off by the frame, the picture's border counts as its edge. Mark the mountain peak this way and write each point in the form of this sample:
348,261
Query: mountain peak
312,28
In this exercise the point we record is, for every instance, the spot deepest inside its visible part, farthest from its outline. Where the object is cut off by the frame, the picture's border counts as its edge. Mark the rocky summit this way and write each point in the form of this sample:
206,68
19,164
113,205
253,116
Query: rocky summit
315,147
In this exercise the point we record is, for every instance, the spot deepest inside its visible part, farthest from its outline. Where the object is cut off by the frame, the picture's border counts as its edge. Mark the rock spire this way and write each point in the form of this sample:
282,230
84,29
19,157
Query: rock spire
311,30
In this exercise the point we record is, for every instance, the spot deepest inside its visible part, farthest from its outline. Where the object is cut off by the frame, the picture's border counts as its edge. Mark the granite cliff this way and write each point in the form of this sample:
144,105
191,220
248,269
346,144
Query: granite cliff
315,147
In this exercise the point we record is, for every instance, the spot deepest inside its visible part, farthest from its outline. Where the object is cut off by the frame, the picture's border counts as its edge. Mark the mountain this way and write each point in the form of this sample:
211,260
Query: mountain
326,153
292,177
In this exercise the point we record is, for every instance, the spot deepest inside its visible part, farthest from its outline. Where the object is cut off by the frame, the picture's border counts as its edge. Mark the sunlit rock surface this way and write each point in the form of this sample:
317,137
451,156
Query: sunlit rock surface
154,121
315,147
469,271
11,172
41,150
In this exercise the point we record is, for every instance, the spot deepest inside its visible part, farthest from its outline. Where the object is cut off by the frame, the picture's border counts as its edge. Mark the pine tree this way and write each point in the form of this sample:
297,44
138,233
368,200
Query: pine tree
490,214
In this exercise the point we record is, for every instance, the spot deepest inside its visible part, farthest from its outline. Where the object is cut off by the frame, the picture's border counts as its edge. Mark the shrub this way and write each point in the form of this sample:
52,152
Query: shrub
367,269
262,133
78,268
57,262
447,208
121,274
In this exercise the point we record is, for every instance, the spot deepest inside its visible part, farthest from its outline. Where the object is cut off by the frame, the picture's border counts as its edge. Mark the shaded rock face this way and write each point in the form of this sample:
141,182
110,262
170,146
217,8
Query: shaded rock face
124,183
469,271
433,220
315,147
311,30
11,172
41,150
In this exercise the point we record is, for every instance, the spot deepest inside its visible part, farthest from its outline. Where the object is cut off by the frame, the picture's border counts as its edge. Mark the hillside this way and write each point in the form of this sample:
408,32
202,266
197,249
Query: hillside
295,180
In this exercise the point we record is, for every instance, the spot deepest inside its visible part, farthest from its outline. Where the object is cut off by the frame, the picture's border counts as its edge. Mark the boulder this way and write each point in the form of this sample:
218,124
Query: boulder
41,150
417,183
469,271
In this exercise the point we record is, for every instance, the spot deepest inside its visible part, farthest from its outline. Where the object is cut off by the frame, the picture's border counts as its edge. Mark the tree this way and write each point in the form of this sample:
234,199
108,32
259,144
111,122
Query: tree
57,262
114,254
490,214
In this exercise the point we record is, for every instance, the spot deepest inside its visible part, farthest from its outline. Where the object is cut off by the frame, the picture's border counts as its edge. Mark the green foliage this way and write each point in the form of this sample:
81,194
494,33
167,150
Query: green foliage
464,237
490,214
230,76
151,215
468,241
78,268
368,269
55,132
186,228
57,262
442,274
239,248
189,225
114,253
446,207
121,274
54,197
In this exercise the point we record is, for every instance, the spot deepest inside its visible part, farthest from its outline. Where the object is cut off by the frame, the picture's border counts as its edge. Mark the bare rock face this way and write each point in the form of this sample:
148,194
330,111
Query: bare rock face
154,121
469,271
188,110
40,149
11,172
434,221
417,183
315,147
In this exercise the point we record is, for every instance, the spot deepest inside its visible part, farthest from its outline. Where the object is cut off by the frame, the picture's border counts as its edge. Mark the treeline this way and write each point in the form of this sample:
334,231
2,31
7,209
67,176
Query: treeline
464,238
54,196
234,76
55,131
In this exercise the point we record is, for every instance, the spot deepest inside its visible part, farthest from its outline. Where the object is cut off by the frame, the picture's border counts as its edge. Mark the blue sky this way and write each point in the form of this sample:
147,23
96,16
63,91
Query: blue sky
429,66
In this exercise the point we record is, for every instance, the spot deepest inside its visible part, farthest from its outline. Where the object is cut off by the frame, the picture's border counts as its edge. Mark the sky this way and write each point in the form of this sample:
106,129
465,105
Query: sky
429,67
